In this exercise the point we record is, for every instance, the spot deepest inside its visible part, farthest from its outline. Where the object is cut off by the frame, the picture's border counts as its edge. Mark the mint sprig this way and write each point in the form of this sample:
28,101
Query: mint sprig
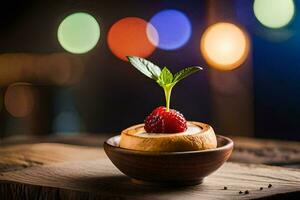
163,77
145,66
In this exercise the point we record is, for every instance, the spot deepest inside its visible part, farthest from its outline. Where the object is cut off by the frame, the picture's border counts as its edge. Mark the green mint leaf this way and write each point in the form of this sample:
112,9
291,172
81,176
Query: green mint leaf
185,73
165,77
146,67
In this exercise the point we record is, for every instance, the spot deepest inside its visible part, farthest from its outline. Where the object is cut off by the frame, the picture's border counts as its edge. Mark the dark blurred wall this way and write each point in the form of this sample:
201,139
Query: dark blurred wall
276,78
277,87
120,96
112,95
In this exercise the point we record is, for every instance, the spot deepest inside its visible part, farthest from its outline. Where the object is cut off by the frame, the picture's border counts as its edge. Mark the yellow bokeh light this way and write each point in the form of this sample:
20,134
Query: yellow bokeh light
224,46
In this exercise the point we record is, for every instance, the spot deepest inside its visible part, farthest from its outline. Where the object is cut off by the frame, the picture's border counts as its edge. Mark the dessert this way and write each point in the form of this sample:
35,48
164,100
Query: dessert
198,136
165,129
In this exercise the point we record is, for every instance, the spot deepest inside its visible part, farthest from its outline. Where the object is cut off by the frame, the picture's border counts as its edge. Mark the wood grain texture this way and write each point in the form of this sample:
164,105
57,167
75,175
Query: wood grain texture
71,172
273,152
247,150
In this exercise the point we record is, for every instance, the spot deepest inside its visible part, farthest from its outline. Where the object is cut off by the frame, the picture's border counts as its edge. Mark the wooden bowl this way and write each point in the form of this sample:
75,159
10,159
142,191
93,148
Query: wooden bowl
168,168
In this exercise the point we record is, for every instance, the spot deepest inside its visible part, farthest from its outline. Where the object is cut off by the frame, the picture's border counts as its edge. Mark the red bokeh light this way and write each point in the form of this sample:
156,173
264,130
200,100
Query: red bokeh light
128,36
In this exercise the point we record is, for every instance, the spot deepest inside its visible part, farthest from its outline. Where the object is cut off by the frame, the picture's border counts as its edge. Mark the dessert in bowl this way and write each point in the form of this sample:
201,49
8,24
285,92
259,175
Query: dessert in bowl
167,149
197,136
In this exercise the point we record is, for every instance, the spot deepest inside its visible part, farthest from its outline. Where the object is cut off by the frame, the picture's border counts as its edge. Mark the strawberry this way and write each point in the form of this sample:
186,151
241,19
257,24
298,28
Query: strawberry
163,121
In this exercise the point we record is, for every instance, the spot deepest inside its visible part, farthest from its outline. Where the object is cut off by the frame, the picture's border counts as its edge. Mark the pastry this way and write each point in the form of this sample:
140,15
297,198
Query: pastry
165,129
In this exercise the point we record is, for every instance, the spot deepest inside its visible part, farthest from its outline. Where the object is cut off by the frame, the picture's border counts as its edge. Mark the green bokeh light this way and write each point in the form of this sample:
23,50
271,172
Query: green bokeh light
274,13
78,33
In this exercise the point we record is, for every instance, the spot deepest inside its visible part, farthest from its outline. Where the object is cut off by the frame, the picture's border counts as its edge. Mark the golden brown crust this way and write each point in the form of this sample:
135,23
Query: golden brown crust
205,139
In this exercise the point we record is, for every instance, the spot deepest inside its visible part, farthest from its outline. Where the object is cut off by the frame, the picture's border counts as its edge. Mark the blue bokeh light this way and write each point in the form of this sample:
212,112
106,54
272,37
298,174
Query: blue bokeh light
173,27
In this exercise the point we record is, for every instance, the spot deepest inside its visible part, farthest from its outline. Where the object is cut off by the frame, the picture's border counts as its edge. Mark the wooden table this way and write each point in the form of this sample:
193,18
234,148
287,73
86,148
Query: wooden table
33,169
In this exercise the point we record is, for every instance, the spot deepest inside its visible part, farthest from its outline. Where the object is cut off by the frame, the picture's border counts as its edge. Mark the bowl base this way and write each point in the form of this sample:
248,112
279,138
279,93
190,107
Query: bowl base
168,183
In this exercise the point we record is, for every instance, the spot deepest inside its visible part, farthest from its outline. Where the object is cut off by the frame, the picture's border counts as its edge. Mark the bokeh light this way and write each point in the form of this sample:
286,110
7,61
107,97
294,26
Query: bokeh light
173,27
128,36
224,46
245,16
1,101
67,122
19,99
274,13
78,33
55,68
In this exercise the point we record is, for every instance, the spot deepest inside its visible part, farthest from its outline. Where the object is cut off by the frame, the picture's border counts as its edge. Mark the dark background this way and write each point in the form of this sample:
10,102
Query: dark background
111,95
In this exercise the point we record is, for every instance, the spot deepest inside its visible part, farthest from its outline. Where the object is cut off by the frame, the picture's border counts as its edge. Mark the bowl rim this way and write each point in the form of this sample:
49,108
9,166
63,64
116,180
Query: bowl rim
227,146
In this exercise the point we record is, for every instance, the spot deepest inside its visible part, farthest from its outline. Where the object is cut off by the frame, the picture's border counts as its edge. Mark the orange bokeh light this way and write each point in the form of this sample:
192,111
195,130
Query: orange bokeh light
224,46
19,99
128,36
